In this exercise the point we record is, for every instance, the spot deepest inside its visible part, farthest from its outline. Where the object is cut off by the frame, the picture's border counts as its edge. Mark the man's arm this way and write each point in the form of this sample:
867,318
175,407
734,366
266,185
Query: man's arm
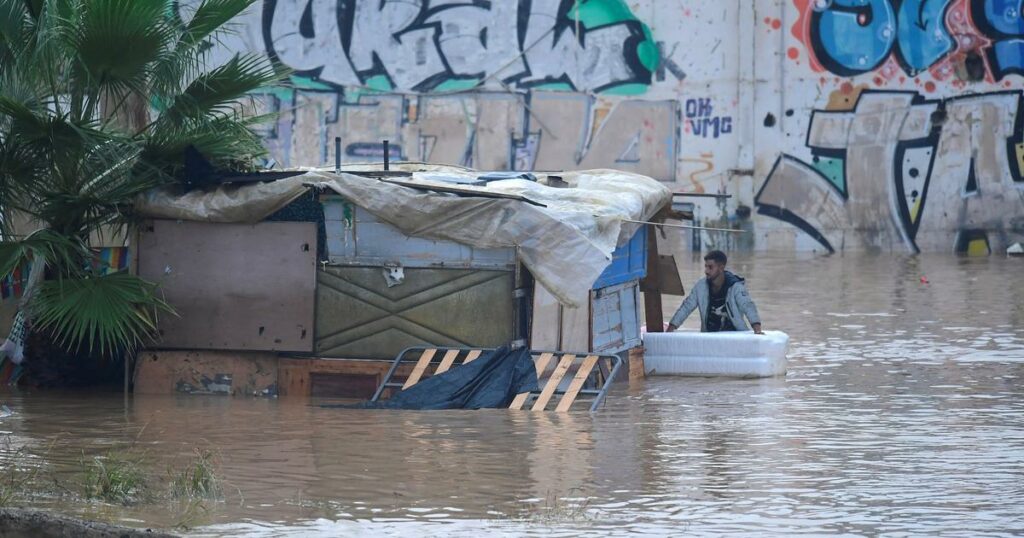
685,309
748,308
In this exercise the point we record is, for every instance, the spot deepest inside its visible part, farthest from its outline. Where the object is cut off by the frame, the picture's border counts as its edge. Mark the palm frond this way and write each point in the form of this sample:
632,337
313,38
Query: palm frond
106,314
22,118
13,18
117,40
218,91
210,18
227,142
42,246
106,181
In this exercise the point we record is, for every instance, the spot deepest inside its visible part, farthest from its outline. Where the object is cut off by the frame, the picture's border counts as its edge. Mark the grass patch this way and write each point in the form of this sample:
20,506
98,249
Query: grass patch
114,478
17,478
192,515
558,509
198,480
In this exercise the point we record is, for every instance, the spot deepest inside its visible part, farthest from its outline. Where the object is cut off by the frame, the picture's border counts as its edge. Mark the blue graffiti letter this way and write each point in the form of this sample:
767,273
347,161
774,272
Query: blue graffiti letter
1002,21
850,37
923,37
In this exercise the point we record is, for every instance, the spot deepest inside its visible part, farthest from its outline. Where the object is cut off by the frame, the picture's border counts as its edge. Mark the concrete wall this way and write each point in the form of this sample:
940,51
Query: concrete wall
843,124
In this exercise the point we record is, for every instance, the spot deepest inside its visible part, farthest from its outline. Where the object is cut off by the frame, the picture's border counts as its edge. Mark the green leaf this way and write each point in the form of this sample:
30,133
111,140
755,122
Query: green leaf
117,40
219,90
210,17
42,246
13,18
107,314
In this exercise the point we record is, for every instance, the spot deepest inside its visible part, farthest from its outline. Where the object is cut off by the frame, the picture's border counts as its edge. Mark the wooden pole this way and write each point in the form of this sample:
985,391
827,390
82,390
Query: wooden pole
651,285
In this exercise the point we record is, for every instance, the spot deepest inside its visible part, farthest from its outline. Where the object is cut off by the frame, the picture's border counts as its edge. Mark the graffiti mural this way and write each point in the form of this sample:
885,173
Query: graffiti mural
902,172
852,37
701,120
448,45
425,45
544,130
524,85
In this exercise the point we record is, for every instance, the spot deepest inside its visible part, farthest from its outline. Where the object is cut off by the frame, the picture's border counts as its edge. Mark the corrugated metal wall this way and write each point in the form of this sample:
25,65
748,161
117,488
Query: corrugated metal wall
359,316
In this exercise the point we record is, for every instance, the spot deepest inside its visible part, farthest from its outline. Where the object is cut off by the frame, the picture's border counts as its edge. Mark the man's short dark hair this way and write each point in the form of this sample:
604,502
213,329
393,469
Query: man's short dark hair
716,256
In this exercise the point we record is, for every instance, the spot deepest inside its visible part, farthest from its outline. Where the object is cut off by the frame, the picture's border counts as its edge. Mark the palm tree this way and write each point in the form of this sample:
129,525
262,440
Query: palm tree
99,102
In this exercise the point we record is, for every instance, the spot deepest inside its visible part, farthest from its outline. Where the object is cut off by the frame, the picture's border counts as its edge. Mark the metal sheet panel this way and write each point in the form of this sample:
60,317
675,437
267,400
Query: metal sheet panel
358,316
616,320
629,262
357,237
235,286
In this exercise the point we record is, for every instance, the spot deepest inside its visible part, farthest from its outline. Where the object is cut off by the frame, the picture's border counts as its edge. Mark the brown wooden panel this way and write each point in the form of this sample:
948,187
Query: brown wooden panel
237,373
577,383
295,375
655,318
338,385
235,286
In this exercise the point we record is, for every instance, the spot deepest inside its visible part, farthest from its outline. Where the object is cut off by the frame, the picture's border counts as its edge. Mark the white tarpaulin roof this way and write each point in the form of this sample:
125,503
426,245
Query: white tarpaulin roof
566,243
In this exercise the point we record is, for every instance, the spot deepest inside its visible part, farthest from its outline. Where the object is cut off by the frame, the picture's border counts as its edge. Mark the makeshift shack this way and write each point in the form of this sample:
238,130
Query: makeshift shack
310,284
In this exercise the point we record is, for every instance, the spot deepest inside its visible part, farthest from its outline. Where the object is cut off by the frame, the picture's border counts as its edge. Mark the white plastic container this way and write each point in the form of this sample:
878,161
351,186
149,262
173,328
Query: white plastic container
727,354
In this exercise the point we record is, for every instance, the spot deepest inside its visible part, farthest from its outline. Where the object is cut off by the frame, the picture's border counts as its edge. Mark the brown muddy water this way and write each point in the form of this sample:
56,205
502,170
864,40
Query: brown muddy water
902,413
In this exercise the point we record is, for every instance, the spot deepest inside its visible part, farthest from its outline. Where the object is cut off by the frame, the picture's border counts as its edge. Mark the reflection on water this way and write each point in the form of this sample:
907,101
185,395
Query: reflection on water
903,412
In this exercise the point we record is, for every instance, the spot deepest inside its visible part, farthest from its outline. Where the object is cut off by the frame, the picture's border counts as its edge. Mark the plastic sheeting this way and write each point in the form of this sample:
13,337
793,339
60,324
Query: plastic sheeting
492,381
247,204
728,354
566,244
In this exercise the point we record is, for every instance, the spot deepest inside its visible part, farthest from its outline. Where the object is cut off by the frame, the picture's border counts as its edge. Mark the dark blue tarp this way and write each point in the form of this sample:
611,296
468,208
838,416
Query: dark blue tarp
491,381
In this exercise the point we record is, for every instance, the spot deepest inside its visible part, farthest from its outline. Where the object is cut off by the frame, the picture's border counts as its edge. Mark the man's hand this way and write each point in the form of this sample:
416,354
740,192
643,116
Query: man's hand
671,328
757,328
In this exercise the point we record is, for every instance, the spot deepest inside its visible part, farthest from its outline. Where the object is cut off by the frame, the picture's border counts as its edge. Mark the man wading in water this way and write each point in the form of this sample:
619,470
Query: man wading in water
721,298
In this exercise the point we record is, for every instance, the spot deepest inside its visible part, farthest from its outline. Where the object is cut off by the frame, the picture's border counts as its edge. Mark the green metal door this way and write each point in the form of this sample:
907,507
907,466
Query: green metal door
359,316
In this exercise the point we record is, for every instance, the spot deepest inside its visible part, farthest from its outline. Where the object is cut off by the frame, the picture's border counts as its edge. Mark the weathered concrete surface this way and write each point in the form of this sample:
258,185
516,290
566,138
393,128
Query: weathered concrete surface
25,523
240,373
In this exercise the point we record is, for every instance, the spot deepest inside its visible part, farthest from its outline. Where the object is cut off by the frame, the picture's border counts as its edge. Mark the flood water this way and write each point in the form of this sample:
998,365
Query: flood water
902,413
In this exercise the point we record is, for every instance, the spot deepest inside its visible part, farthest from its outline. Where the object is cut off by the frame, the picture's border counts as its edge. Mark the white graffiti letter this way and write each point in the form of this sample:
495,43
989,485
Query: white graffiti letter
304,35
477,40
592,61
381,38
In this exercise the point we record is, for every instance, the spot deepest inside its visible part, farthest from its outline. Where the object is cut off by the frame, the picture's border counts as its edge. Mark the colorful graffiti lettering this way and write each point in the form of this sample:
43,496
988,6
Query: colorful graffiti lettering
702,122
493,85
852,37
441,45
890,173
1003,22
548,130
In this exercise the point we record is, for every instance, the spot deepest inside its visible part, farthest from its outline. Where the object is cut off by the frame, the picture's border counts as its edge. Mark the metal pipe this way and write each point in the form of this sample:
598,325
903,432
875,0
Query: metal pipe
701,195
337,155
685,227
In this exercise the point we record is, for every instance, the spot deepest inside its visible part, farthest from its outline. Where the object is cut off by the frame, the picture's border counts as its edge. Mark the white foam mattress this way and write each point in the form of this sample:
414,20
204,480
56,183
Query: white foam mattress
730,354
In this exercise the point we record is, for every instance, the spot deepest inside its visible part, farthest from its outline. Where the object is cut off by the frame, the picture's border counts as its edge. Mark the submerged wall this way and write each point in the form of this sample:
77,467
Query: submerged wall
842,124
